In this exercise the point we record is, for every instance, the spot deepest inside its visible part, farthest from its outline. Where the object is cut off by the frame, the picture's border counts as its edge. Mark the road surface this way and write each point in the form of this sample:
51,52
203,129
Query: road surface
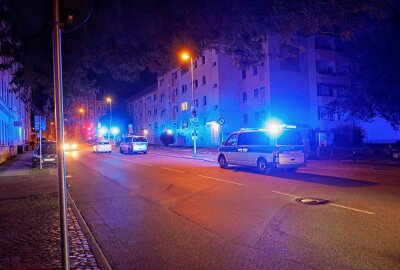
160,212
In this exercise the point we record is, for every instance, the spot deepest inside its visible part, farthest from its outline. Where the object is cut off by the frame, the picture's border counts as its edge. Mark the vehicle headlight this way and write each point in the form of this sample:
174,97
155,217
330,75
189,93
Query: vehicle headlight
66,146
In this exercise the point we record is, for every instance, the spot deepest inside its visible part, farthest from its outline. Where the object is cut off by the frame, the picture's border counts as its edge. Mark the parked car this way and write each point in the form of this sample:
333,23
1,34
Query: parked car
260,149
133,144
49,154
102,147
394,150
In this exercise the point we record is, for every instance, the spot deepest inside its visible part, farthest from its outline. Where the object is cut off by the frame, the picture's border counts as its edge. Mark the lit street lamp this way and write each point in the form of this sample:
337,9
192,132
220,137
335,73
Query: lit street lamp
185,56
109,130
82,112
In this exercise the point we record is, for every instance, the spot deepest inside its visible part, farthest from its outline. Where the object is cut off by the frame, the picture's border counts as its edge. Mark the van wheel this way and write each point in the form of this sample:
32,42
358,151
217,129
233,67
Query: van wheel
263,167
222,162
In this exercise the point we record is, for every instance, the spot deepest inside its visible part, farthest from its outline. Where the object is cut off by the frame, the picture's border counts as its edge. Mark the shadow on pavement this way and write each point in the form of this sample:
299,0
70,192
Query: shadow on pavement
311,178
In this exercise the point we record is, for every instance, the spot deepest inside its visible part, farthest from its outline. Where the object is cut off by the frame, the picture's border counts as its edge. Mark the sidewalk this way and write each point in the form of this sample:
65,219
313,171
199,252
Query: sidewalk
29,220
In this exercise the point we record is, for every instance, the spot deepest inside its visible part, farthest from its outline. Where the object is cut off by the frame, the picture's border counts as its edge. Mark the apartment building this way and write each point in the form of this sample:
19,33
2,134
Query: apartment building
82,119
293,85
15,122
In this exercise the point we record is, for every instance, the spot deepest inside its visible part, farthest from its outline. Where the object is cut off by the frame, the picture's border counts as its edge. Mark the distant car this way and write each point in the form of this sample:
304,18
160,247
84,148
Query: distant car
102,147
133,144
394,150
49,154
70,146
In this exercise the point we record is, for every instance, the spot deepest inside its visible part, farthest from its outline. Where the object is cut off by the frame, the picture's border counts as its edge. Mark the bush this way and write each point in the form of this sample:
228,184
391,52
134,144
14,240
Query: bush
167,139
348,135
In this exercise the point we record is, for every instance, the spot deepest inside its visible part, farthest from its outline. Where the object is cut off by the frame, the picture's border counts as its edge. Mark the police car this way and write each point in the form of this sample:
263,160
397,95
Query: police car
265,149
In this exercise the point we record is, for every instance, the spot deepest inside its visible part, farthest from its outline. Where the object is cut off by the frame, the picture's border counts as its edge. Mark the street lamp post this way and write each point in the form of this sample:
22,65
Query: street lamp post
82,111
185,56
109,130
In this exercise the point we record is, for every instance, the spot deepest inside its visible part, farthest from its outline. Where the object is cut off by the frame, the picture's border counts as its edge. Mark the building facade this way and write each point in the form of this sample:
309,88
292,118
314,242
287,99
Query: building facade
83,119
15,117
293,85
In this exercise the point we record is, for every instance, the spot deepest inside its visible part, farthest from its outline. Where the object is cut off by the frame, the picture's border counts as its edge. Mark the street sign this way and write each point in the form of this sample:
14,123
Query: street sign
194,121
221,121
194,135
40,123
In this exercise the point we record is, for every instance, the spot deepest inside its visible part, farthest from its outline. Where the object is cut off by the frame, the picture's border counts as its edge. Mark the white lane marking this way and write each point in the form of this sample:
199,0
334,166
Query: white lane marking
217,179
333,204
141,163
168,169
351,208
285,194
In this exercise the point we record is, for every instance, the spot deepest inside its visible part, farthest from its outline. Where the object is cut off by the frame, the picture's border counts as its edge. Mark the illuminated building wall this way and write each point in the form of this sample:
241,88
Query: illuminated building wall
284,86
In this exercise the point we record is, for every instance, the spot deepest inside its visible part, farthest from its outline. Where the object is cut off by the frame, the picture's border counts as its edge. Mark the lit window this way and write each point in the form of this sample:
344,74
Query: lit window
184,106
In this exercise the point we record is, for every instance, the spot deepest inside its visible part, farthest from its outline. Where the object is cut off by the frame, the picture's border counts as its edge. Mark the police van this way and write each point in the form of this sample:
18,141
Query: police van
263,148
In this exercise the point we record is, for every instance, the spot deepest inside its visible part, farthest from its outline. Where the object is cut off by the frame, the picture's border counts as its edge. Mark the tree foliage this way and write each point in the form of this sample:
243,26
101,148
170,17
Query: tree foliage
123,38
374,56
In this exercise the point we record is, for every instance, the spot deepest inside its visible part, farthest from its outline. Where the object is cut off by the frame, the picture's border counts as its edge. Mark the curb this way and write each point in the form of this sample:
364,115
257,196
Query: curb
97,252
181,156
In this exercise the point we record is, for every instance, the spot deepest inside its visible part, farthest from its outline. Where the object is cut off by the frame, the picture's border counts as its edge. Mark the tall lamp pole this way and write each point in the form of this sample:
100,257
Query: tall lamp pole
185,56
82,111
109,130
59,121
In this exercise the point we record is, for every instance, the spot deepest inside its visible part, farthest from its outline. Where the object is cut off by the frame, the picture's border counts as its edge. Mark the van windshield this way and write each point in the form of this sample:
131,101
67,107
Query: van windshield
290,137
139,139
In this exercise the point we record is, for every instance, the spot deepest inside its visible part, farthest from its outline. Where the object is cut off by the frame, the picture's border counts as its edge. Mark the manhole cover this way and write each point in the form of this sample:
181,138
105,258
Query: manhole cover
311,201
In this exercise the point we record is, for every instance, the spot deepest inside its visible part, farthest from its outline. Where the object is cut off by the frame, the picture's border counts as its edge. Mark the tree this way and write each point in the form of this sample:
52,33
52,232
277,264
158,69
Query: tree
123,38
375,89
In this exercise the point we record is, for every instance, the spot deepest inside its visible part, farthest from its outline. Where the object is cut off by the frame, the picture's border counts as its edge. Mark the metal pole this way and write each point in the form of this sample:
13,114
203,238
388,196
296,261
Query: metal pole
109,130
59,121
40,142
192,106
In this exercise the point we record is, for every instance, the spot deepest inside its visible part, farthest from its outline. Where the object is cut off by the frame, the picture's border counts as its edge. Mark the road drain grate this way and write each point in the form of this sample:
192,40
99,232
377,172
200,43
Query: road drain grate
311,201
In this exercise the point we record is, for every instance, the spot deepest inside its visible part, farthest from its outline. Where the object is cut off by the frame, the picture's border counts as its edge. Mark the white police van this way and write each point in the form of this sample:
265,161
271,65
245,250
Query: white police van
264,149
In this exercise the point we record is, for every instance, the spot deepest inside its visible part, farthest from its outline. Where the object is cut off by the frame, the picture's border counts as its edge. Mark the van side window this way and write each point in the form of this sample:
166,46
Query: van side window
232,139
253,138
290,137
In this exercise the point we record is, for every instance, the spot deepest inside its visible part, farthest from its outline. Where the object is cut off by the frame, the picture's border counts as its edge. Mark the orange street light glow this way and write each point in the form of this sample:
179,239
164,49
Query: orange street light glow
81,110
185,56
108,99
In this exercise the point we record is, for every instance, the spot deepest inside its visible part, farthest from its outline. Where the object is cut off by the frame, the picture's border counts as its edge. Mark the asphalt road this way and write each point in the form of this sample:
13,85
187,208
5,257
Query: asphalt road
159,212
